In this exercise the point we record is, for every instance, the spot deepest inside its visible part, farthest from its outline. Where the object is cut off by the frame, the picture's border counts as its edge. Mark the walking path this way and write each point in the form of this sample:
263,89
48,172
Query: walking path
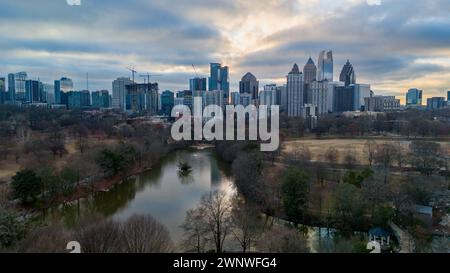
405,239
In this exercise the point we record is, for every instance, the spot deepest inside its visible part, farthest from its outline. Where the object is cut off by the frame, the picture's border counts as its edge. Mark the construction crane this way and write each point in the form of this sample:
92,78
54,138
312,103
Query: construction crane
195,70
148,76
134,72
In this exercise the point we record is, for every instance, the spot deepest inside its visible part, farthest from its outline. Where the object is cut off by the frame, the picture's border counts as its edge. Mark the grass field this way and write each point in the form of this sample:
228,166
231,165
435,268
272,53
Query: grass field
318,147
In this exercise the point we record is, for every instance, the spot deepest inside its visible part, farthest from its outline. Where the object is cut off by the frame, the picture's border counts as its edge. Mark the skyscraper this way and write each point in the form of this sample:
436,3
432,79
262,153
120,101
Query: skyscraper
219,79
16,86
435,103
2,91
414,97
348,74
119,92
310,71
319,96
325,70
62,87
100,99
167,102
249,85
295,92
197,84
34,91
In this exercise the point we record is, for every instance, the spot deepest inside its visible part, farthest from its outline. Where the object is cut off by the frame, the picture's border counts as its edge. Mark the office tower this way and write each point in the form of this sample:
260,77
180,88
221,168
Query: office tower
350,98
448,95
197,84
20,81
235,98
34,91
325,69
282,91
142,97
435,103
268,97
16,86
48,93
382,104
119,93
343,98
62,87
361,91
310,71
219,79
100,99
167,102
249,85
295,92
318,96
3,94
245,99
187,96
331,90
414,97
348,74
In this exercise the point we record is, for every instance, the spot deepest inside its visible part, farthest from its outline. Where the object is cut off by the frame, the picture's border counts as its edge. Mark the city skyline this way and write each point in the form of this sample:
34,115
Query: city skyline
390,50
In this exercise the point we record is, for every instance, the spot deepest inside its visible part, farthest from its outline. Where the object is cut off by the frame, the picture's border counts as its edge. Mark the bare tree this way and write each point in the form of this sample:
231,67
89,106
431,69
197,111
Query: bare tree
217,212
143,234
384,156
194,232
247,226
98,236
350,159
370,148
281,239
51,239
332,155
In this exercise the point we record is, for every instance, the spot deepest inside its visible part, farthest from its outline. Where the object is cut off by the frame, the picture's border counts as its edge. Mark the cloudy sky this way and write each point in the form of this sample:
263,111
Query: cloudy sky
393,44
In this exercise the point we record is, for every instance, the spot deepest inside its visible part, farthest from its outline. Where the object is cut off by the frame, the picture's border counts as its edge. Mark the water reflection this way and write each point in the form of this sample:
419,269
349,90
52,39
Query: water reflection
160,192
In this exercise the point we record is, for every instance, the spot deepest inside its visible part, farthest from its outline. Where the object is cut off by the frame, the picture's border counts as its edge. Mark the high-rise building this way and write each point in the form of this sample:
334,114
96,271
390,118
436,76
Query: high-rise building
414,97
2,91
78,99
34,91
382,104
48,93
219,79
361,91
295,92
100,99
16,86
235,98
283,96
119,93
167,102
448,95
197,84
343,98
348,75
435,103
350,98
187,97
249,85
310,71
325,66
268,97
62,87
318,95
142,97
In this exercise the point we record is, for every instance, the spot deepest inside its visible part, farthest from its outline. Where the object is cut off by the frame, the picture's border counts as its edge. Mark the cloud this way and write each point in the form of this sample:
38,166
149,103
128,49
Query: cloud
393,44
